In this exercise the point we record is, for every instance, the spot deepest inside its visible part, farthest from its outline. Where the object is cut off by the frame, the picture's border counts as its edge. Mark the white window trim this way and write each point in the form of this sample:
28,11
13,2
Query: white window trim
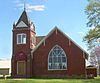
48,59
21,38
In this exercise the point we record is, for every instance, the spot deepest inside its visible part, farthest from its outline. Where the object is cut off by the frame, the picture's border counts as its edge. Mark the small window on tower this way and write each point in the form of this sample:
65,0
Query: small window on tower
32,39
18,39
21,38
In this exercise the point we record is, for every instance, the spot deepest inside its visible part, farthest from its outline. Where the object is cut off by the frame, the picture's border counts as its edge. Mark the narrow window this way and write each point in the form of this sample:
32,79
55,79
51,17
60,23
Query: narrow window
18,38
57,59
21,38
32,39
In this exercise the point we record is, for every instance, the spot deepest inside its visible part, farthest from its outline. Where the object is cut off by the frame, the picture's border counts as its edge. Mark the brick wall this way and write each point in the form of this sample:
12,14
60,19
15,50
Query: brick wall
75,60
25,49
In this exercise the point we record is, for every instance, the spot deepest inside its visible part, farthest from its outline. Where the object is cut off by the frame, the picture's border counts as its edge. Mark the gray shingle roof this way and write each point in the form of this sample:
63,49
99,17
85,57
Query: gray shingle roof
25,18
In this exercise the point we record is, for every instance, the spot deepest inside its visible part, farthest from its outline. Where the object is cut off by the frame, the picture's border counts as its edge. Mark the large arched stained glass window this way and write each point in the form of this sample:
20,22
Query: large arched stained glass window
57,59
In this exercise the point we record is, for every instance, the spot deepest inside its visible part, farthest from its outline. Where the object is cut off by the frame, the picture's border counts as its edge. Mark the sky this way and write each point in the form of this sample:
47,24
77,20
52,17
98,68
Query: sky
68,15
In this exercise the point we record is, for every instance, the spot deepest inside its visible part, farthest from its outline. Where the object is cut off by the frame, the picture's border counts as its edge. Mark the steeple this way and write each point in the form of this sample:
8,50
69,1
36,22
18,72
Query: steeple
24,40
24,20
24,6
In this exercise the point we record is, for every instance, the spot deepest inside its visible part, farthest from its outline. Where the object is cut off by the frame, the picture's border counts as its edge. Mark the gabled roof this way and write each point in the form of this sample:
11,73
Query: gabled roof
24,17
55,29
21,24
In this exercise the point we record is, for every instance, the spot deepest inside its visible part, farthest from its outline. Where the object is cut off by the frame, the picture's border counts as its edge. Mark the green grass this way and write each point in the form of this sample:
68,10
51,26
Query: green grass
95,80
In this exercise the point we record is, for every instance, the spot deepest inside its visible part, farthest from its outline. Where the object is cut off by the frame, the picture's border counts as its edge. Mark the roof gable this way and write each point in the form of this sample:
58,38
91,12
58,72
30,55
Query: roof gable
21,24
25,18
50,33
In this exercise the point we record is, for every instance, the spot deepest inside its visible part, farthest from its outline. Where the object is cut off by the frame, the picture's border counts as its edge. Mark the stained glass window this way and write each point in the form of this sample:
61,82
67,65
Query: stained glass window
57,59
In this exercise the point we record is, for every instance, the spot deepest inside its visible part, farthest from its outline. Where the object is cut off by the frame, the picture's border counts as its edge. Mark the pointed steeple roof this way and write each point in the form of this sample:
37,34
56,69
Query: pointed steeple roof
24,18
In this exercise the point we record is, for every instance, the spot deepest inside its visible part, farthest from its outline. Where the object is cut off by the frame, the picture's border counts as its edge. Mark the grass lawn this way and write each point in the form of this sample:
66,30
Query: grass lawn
96,80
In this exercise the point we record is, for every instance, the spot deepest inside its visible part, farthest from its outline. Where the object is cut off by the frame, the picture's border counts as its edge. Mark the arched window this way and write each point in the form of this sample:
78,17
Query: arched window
57,59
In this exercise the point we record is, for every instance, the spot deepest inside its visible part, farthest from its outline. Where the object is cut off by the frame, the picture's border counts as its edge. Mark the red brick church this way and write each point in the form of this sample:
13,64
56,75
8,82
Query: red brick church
53,55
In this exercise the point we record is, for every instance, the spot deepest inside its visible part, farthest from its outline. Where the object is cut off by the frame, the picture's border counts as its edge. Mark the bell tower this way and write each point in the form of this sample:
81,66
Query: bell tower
24,40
